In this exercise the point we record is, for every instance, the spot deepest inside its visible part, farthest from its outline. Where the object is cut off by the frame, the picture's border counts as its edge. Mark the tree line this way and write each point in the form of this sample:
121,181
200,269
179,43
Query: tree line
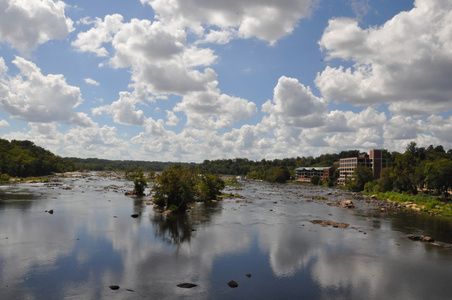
416,169
276,170
25,159
97,164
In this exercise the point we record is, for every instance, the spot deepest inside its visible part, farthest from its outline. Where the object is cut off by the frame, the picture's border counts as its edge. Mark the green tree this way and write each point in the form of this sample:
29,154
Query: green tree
139,182
361,176
277,174
438,175
386,180
253,175
372,187
412,148
404,172
315,180
174,187
209,187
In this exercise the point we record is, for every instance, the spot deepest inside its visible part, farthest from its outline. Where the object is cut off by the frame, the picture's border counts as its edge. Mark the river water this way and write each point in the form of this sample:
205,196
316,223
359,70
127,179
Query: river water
91,242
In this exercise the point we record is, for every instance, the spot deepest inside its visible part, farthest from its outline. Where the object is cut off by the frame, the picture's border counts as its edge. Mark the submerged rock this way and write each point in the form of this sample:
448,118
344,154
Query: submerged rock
428,239
187,285
421,238
347,204
233,284
325,223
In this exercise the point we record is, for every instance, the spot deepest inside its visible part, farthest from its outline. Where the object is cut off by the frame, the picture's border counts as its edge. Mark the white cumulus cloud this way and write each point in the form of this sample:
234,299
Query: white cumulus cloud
406,62
267,20
25,24
91,81
77,141
103,31
295,104
34,97
160,61
3,123
173,120
211,109
123,110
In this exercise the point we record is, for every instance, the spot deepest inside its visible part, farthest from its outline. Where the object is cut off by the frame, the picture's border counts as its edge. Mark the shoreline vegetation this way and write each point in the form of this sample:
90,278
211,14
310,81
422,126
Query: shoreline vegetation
422,202
419,179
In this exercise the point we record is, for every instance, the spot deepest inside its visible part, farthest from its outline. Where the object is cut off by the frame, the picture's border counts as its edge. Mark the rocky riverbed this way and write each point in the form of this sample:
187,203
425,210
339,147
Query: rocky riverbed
297,241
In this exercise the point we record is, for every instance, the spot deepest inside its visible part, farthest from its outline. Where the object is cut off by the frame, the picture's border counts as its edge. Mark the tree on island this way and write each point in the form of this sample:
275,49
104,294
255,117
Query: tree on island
139,182
178,186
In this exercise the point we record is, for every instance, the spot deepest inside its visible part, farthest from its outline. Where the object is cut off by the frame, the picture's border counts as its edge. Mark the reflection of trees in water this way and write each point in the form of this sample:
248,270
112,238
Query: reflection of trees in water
20,201
172,228
410,222
203,213
138,205
178,228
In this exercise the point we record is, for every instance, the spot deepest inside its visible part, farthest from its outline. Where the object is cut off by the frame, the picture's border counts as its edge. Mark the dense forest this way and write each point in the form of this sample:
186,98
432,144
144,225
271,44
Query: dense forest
96,164
25,159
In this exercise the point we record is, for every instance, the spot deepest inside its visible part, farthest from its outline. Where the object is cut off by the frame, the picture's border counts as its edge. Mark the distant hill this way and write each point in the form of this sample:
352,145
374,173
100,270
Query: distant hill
25,159
96,164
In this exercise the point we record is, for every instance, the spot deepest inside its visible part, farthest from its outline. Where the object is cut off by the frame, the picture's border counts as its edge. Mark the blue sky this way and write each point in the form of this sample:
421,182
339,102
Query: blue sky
188,80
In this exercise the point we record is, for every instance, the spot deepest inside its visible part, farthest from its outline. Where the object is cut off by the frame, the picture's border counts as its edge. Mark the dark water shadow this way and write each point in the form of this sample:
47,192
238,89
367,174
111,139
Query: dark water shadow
178,228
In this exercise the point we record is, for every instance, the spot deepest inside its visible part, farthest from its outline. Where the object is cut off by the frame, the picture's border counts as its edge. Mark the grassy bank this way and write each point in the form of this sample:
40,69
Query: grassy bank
425,202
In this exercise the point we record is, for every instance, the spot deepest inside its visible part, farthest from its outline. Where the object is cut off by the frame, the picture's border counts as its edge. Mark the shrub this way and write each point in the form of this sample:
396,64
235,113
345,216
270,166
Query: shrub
315,180
139,182
372,187
4,177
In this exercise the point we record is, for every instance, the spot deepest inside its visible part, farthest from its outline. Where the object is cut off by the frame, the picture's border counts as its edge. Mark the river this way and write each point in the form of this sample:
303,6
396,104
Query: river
91,243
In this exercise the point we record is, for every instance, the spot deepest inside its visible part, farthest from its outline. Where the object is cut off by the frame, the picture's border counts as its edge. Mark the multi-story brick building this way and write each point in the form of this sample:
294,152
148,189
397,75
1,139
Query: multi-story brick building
374,160
305,174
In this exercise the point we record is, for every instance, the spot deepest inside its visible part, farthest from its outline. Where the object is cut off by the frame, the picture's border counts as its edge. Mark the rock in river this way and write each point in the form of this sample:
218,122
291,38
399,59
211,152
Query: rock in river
347,204
422,238
233,284
187,285
325,223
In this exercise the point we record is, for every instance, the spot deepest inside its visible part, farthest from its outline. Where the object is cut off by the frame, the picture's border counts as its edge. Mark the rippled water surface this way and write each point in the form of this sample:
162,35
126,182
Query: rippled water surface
91,242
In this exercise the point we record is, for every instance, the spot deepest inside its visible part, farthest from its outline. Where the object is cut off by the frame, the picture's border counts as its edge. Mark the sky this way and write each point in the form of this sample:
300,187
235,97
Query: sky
189,80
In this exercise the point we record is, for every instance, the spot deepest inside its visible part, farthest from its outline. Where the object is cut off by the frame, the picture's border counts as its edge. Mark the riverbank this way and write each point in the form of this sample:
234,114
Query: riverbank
392,201
423,203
